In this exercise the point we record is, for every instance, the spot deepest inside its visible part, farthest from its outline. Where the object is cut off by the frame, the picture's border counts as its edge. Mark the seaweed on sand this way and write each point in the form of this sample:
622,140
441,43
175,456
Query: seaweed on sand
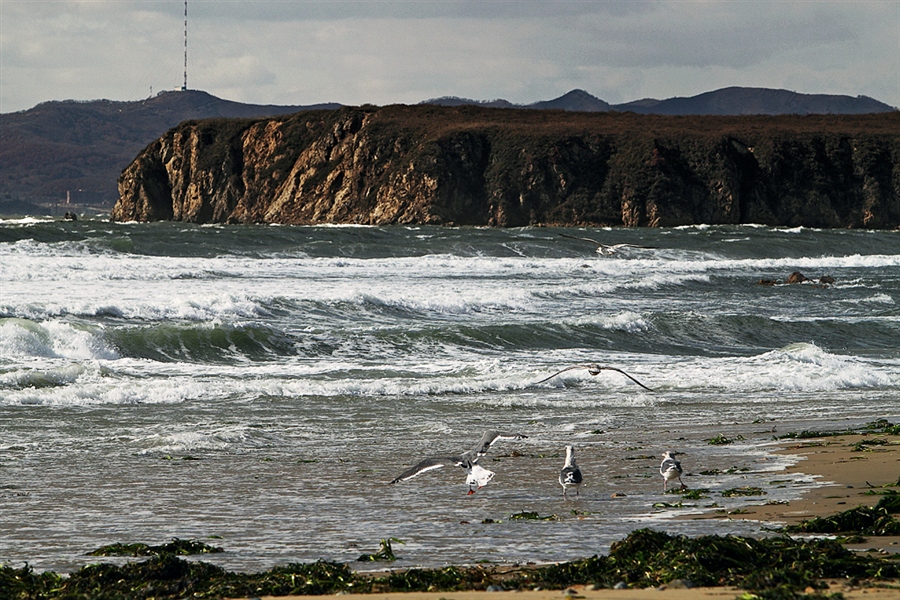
865,520
531,516
650,558
770,567
747,490
865,445
878,426
447,579
168,577
24,582
176,546
721,440
386,552
890,503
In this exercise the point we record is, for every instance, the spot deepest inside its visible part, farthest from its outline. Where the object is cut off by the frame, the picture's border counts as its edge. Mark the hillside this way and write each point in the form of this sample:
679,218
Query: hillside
82,147
499,167
757,101
726,101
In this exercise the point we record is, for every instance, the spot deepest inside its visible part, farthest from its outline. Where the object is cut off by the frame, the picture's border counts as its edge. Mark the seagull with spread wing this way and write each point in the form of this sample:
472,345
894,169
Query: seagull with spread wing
593,369
606,249
476,476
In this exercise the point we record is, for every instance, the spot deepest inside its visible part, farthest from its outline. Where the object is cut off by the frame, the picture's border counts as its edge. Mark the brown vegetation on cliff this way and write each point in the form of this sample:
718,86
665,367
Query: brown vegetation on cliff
480,166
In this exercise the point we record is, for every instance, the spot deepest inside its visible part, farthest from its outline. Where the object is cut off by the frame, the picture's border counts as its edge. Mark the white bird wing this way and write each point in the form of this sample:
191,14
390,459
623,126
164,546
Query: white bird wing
429,464
584,239
490,437
670,465
606,249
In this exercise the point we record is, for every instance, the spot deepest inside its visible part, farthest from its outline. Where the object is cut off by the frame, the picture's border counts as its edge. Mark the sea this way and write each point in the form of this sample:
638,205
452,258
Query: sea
258,387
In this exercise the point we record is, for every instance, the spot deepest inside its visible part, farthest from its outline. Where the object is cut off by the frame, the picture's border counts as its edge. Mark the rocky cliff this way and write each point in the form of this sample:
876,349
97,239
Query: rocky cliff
481,166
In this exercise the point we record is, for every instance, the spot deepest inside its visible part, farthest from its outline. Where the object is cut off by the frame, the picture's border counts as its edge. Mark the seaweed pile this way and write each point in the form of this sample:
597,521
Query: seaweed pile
176,546
878,426
862,520
771,568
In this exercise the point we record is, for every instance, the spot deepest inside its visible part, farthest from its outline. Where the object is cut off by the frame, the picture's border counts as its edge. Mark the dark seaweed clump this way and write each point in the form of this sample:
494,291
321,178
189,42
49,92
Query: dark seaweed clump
882,426
166,577
176,546
865,520
771,568
385,553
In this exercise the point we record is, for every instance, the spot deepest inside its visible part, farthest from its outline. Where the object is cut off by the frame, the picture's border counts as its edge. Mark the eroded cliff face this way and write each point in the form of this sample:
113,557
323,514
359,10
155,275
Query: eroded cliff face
476,166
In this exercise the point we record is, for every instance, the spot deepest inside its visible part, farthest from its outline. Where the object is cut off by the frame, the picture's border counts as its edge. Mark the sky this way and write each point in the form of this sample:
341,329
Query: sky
301,52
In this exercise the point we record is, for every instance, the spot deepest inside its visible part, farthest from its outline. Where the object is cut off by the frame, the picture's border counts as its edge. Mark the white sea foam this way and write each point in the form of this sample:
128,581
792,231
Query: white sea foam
878,299
798,367
21,338
202,437
97,390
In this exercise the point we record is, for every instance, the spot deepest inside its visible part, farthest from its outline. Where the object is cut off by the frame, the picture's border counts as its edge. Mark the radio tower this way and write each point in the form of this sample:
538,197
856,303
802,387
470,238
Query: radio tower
184,87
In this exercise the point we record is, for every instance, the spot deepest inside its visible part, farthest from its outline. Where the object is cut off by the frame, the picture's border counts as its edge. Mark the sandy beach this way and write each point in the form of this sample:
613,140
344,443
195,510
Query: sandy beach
850,479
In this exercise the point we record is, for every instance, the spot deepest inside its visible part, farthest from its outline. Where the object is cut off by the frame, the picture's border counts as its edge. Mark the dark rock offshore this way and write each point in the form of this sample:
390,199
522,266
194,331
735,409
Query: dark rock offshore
468,165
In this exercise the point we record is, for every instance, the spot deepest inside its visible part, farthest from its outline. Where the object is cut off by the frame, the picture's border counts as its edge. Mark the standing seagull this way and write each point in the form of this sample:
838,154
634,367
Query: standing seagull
570,476
476,476
671,469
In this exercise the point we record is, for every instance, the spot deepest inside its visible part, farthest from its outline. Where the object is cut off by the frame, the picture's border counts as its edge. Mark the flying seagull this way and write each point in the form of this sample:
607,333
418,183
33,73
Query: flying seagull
594,369
476,476
671,469
606,249
570,476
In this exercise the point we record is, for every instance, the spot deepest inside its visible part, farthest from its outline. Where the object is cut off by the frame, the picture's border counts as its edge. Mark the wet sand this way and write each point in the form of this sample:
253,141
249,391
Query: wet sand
850,479
847,475
580,592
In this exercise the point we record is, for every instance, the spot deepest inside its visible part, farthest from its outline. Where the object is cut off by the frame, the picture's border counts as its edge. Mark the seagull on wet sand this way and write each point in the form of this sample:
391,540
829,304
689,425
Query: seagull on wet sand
671,469
594,369
570,475
476,476
606,249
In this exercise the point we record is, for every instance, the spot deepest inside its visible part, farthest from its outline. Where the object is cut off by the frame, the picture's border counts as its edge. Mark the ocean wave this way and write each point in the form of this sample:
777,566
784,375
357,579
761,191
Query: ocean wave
455,302
206,342
203,438
20,338
163,342
38,378
797,367
115,390
196,307
764,380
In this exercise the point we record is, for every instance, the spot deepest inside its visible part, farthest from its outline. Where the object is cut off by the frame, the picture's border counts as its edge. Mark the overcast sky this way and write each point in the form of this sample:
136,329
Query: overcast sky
297,52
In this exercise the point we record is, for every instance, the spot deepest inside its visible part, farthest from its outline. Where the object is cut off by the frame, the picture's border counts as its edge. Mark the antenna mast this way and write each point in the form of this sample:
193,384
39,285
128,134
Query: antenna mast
184,87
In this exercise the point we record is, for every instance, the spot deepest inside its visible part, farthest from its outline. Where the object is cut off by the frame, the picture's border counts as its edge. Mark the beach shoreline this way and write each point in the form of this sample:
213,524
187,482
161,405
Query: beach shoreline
851,468
847,479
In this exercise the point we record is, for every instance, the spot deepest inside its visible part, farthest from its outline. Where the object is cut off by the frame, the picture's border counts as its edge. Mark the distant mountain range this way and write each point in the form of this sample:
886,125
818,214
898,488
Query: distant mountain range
727,101
79,148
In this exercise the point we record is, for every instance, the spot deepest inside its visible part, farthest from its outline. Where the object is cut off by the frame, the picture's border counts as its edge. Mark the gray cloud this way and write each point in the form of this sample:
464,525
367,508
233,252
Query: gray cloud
298,52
